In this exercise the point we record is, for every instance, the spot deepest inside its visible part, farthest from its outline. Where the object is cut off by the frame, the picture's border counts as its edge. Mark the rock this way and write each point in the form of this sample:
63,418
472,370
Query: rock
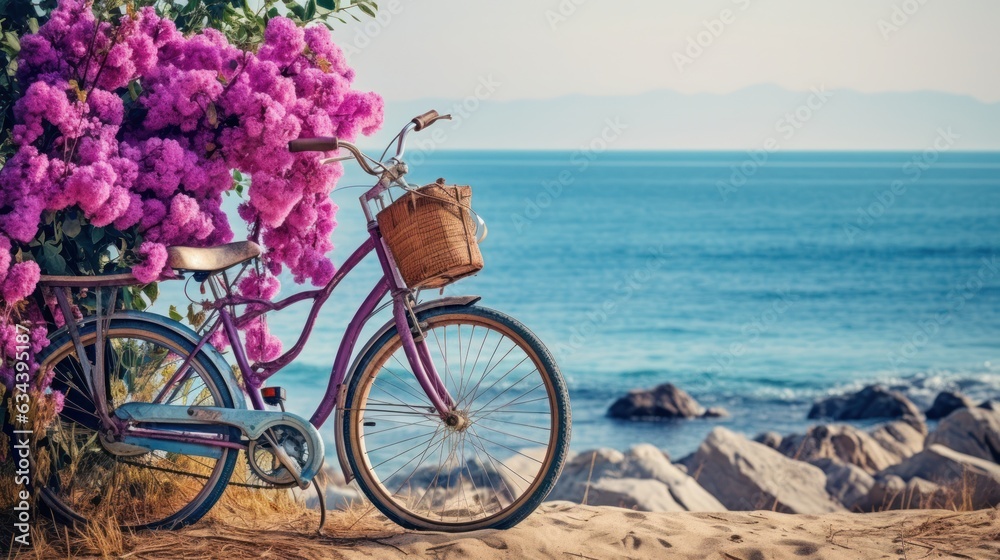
847,483
524,465
646,461
659,403
871,402
973,482
338,494
844,443
972,431
746,475
991,404
337,497
770,439
900,438
947,402
716,412
643,478
589,465
891,492
631,493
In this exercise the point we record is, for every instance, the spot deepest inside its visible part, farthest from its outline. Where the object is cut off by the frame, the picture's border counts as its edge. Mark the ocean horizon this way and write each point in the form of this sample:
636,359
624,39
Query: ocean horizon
755,281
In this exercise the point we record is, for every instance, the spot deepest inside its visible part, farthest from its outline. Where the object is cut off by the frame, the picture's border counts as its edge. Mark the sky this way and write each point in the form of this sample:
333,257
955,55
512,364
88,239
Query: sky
551,48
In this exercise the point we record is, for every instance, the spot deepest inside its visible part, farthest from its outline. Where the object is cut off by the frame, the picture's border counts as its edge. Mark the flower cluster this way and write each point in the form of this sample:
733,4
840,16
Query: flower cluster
139,128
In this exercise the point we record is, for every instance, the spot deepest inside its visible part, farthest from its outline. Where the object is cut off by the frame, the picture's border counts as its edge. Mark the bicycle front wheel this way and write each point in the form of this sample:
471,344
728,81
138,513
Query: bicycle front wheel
88,478
493,469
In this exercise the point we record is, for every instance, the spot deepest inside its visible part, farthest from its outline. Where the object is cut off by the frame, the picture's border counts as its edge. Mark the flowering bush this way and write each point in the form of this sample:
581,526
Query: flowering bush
126,138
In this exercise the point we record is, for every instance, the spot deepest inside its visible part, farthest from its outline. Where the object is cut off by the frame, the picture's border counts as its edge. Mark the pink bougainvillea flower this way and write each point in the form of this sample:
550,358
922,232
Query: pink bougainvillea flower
20,281
138,126
155,258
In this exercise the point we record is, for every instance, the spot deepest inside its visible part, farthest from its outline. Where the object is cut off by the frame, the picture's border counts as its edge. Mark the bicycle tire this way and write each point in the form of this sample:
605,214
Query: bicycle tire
175,340
558,403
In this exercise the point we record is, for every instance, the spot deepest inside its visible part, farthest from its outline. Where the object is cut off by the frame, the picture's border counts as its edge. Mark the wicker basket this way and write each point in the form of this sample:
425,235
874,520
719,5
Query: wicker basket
432,236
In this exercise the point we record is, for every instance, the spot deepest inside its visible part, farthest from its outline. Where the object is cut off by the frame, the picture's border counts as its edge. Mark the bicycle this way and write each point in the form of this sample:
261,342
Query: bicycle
452,417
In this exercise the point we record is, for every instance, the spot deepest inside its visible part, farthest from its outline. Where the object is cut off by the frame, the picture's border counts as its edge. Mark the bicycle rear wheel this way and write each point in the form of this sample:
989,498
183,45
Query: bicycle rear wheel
491,471
154,490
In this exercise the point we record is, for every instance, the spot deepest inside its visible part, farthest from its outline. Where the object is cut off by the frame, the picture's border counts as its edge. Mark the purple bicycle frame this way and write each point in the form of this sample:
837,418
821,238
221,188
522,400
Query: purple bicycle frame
391,282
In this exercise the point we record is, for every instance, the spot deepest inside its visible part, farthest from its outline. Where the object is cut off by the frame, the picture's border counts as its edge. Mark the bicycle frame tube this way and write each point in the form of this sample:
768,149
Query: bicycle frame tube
389,283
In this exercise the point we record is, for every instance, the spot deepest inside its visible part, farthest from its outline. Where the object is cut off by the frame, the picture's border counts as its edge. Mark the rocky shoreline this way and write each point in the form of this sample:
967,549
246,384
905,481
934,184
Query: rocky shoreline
832,467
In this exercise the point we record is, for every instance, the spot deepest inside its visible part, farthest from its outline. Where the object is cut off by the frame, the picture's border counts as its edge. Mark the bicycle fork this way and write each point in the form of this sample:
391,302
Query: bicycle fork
412,336
414,343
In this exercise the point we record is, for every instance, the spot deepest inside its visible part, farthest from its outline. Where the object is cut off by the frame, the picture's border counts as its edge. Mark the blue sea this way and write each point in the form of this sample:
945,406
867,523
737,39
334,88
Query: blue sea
756,285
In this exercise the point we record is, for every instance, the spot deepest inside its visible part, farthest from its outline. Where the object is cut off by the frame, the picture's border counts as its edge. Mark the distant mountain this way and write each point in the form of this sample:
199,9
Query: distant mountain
746,119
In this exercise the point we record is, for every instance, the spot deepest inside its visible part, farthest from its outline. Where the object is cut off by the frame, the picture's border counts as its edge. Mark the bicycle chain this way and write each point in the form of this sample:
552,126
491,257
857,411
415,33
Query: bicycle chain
201,476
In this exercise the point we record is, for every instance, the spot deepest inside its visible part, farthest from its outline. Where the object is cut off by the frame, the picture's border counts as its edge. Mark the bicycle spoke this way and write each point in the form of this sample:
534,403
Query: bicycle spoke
486,371
505,390
539,443
483,414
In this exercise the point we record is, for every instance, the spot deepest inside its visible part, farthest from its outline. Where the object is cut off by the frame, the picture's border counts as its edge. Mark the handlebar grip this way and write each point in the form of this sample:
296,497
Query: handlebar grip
313,145
425,120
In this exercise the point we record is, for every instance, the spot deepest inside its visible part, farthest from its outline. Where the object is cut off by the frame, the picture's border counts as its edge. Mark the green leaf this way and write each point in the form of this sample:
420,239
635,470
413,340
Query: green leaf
174,314
55,264
310,9
10,39
152,291
299,12
369,8
328,4
51,248
71,227
137,299
134,89
96,234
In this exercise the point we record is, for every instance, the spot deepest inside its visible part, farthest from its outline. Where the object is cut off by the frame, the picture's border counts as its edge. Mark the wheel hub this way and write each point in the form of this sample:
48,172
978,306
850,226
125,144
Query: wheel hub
457,420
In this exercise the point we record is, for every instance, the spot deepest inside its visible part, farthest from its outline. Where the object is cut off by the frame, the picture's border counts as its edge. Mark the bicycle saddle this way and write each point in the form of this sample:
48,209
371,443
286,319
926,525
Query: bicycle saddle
211,259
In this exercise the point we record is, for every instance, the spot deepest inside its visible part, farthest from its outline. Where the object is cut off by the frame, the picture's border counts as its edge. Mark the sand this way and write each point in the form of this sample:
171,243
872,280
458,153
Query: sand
568,531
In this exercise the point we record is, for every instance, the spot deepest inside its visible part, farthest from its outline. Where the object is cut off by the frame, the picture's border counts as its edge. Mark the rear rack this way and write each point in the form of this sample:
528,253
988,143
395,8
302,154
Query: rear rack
100,281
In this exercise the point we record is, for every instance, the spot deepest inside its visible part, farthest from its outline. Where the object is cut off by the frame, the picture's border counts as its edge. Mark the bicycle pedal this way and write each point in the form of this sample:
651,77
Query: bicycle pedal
273,396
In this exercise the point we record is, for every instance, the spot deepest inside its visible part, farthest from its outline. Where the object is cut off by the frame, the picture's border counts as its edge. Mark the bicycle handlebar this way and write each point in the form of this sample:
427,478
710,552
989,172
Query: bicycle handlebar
418,123
313,145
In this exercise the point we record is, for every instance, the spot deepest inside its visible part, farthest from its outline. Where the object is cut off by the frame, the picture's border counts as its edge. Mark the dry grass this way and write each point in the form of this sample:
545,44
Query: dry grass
246,523
937,535
954,495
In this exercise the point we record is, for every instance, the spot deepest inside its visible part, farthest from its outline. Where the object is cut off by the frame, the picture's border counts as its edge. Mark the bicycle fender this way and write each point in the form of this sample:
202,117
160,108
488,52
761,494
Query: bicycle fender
239,397
338,422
